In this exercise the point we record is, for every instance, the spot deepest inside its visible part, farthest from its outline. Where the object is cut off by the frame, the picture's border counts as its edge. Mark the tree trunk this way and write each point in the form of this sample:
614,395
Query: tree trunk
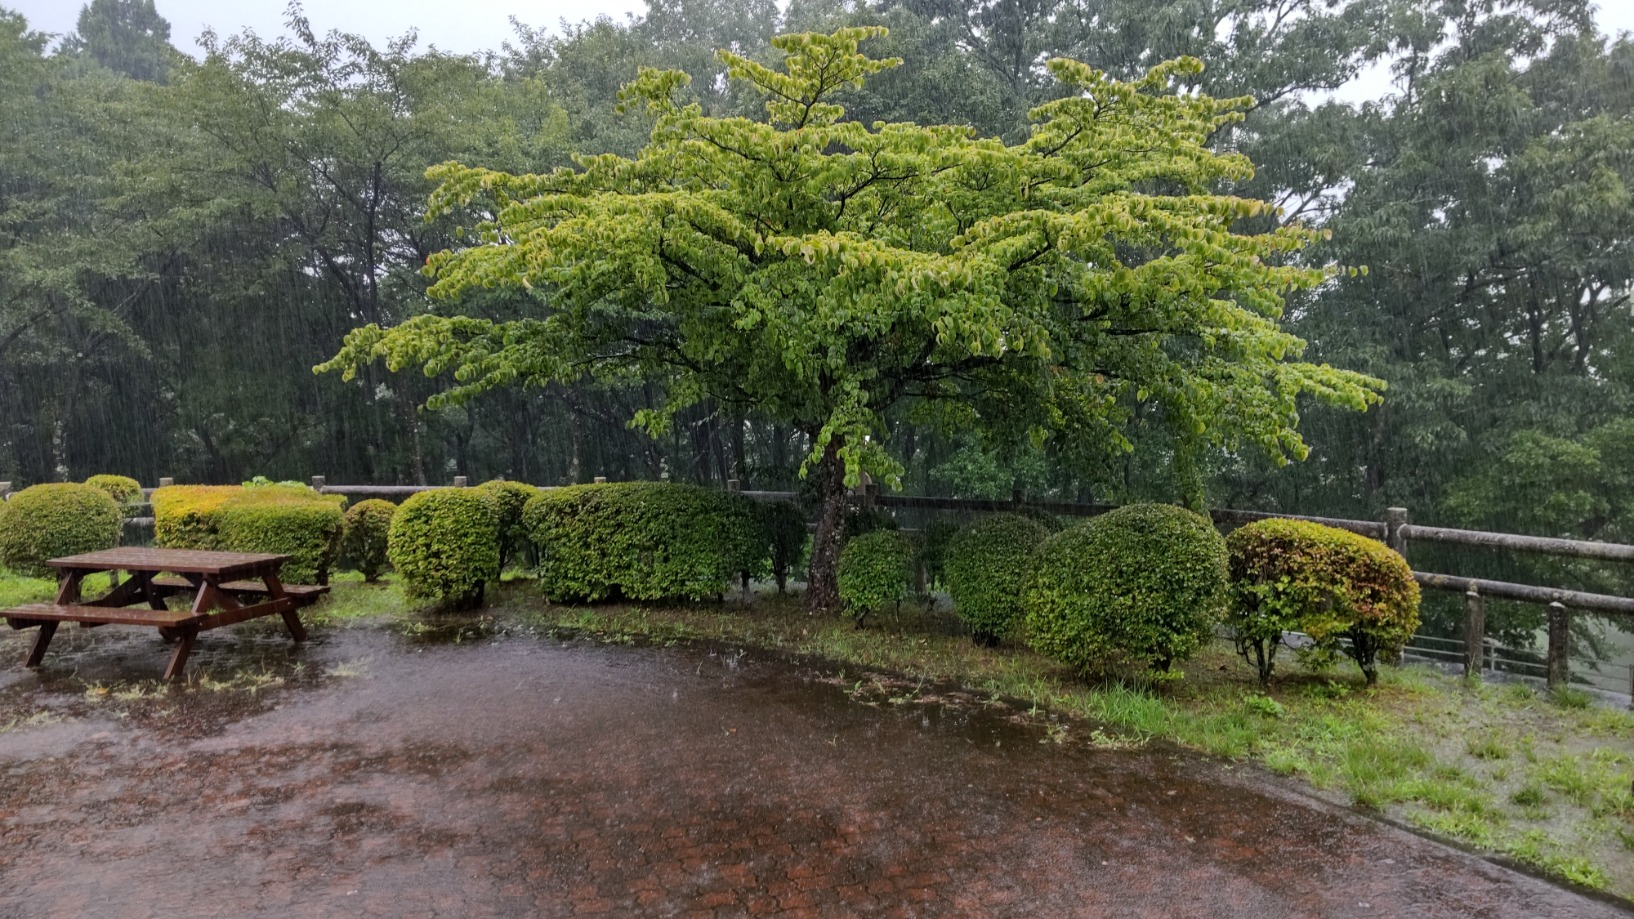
822,579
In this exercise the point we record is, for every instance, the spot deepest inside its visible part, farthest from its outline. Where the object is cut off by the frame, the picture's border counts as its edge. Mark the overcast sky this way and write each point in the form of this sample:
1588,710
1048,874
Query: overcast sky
459,26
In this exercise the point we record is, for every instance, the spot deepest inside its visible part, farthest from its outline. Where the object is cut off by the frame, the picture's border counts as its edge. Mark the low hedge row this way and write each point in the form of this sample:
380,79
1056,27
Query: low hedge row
643,541
286,518
1143,587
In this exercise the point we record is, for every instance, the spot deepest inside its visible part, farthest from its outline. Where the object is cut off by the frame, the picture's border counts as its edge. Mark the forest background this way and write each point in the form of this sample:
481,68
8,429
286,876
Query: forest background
182,240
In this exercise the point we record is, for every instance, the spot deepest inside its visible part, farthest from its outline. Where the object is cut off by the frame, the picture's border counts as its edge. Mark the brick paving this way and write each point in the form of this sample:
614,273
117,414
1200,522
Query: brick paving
520,778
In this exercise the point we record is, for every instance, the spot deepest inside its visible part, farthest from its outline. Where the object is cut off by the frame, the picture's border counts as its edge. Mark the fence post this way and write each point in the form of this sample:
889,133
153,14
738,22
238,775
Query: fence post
1560,620
5,490
459,481
166,481
1395,529
600,480
317,483
733,487
1474,632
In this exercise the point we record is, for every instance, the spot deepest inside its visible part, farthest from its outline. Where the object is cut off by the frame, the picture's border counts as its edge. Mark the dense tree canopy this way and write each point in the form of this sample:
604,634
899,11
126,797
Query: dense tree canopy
818,272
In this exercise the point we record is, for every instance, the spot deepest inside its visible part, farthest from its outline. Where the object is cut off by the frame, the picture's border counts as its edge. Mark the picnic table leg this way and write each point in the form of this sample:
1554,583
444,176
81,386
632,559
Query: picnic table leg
41,642
292,616
178,657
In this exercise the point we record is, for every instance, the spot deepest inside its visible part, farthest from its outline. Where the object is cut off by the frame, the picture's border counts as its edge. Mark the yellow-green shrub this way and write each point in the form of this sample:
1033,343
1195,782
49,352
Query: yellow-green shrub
1140,587
986,568
124,490
286,519
444,544
642,541
1331,584
368,527
49,521
509,499
875,570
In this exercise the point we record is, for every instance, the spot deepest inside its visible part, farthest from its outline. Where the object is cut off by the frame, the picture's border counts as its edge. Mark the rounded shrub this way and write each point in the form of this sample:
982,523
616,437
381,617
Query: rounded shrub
1051,522
49,521
286,518
368,526
1330,584
444,544
642,541
875,569
1140,587
124,490
509,498
784,524
986,570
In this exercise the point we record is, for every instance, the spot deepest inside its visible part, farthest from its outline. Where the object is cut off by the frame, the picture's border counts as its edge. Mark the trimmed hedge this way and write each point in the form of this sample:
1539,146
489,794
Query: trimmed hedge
124,490
987,565
1139,587
509,499
368,528
1051,522
643,541
287,518
1331,584
444,544
784,524
49,521
875,570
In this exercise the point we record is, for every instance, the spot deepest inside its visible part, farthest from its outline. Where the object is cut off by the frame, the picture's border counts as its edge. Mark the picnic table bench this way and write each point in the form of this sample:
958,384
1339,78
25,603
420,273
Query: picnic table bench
226,587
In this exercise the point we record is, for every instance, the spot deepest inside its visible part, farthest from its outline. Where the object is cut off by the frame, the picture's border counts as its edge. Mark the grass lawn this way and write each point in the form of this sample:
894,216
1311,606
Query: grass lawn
1546,780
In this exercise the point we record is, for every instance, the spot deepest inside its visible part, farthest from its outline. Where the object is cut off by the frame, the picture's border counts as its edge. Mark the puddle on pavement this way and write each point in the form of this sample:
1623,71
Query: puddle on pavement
504,773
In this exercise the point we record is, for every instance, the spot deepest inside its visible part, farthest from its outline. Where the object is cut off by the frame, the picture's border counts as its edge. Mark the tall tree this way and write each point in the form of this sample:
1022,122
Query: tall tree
125,36
820,272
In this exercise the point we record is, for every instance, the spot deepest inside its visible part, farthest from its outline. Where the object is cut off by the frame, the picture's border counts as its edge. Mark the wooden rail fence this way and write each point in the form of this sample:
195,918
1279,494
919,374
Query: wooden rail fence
1395,530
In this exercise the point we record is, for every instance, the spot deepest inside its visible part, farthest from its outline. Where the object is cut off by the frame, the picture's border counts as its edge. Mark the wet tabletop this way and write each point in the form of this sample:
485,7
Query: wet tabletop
532,777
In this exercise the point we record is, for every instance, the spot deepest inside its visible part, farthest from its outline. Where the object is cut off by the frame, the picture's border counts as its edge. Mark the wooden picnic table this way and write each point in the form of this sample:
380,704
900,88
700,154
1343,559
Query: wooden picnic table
226,587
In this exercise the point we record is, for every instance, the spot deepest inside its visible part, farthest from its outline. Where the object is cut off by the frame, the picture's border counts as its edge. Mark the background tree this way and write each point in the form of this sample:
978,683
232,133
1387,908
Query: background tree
819,272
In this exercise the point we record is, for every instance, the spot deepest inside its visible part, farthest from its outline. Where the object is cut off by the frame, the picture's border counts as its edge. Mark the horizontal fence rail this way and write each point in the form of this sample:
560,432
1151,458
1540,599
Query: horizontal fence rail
1394,530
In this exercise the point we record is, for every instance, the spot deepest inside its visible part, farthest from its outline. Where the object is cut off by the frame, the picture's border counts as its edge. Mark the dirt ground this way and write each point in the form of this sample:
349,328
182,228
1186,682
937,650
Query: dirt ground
375,773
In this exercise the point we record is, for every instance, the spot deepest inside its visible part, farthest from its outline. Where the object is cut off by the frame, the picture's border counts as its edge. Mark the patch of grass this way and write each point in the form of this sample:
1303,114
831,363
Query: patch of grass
16,590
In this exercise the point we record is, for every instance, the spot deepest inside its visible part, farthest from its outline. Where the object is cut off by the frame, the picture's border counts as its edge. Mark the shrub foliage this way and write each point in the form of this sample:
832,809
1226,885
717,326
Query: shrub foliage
1139,587
1330,584
124,490
875,569
368,528
934,539
785,532
444,544
47,521
509,499
987,566
287,518
642,541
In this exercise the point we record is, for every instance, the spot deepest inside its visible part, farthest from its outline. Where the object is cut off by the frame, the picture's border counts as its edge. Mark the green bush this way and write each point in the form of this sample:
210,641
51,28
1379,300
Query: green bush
49,521
642,541
286,518
124,490
875,569
368,529
986,570
444,544
784,524
509,499
860,521
1140,587
1049,521
934,539
1331,584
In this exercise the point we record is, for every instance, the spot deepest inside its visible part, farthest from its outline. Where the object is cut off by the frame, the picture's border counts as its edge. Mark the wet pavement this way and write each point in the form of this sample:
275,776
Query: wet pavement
527,776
